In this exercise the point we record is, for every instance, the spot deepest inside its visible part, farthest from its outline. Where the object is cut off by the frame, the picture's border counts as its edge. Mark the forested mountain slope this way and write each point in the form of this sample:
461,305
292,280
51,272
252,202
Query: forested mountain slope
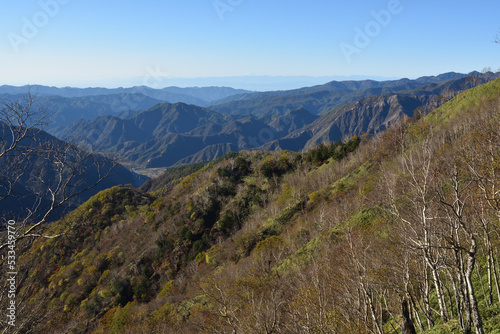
322,99
372,237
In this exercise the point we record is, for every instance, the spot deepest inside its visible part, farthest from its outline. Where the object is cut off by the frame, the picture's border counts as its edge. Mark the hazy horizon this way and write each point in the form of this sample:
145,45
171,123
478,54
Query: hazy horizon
255,83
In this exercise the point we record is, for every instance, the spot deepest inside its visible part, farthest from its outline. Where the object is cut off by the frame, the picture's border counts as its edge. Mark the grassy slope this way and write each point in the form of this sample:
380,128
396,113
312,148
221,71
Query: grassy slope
465,102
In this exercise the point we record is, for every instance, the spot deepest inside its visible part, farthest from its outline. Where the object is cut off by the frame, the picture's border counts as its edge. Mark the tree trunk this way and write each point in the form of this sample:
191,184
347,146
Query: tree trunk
369,304
462,287
439,294
495,273
458,304
482,286
489,261
427,304
471,261
416,315
408,327
465,302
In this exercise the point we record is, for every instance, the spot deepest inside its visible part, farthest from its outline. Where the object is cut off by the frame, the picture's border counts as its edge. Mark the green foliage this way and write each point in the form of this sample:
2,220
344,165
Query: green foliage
465,102
243,165
141,285
367,217
351,179
185,233
303,256
70,303
275,225
201,245
121,318
165,243
246,242
314,197
274,167
286,195
336,151
121,288
238,208
450,327
166,289
170,175
198,246
93,306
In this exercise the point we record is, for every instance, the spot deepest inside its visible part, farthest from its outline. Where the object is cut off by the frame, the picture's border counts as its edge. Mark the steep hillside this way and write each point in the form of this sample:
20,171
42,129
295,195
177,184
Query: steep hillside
294,120
368,115
390,234
372,114
176,118
174,149
322,99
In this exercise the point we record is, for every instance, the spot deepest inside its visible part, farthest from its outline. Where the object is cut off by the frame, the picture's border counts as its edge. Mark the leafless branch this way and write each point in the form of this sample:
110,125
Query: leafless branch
53,173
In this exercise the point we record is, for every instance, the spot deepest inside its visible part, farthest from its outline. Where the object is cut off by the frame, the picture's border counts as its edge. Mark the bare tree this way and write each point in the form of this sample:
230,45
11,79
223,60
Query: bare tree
225,305
463,239
38,173
416,214
20,121
486,74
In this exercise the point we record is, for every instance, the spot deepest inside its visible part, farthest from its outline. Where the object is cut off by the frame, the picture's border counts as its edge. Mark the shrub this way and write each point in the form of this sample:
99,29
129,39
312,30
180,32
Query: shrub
121,318
314,197
185,233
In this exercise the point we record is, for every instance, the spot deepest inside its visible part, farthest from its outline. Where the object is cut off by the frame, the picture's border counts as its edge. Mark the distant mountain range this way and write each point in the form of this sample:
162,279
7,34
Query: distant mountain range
66,105
145,131
193,95
323,98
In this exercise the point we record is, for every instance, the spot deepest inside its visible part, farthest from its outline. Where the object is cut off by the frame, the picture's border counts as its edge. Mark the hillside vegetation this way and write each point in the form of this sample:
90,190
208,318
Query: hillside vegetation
391,233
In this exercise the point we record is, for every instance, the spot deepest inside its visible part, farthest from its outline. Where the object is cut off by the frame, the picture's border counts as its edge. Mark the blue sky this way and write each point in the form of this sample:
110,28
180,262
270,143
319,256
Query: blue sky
121,43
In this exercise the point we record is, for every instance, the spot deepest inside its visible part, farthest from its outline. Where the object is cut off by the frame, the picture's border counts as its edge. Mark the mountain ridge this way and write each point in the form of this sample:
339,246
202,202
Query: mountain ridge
289,121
